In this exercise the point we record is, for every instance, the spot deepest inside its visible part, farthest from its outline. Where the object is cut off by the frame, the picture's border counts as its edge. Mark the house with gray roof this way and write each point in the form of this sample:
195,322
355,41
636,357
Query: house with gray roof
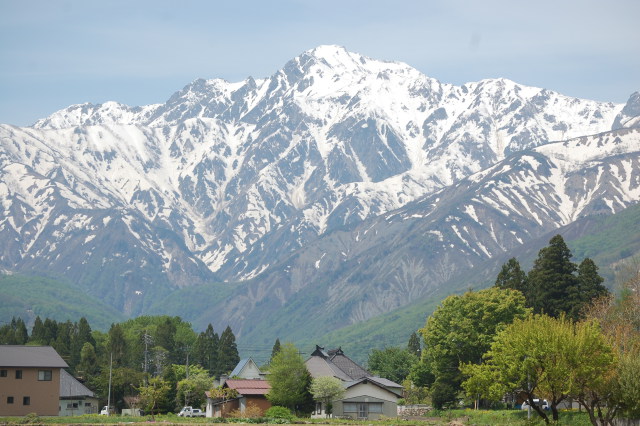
75,398
29,380
366,396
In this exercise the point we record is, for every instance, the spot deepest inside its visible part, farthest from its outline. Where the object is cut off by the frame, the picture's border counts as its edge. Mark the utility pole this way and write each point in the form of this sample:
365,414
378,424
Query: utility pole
109,397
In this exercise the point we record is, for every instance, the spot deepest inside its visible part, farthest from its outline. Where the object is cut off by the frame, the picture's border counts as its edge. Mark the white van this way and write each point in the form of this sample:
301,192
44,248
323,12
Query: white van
541,403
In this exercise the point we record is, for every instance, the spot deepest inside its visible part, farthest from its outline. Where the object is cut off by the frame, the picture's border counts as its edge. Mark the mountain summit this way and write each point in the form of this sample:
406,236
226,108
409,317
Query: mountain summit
286,181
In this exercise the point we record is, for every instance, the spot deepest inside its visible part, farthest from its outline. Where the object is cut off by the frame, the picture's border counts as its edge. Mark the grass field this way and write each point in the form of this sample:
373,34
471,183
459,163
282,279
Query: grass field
453,417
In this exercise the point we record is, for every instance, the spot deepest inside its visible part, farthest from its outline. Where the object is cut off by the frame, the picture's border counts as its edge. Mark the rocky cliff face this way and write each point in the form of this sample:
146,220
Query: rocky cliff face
227,181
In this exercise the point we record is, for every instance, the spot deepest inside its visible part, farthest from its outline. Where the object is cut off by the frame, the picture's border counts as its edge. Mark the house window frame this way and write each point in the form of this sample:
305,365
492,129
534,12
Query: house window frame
19,374
26,400
10,400
4,373
45,375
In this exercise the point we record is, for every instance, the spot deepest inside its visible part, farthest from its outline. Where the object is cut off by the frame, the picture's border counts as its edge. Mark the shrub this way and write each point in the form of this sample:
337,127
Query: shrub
251,411
277,412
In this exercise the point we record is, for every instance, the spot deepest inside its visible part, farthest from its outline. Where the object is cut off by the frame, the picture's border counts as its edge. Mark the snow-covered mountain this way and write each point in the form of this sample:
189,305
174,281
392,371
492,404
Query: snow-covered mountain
226,181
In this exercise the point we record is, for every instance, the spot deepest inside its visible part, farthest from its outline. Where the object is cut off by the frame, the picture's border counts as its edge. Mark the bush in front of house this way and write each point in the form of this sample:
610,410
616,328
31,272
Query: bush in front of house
277,412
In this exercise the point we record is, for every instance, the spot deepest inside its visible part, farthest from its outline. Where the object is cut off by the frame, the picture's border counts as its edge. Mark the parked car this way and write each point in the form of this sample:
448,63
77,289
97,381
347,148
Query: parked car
105,411
541,403
189,411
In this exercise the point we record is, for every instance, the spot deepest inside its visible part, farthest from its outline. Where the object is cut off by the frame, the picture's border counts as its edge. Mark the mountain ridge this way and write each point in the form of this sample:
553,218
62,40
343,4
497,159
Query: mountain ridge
225,182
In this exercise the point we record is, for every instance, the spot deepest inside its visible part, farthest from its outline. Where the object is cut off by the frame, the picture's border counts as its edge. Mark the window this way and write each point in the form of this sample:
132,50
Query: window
18,374
44,375
362,410
87,404
349,407
9,400
3,373
26,400
375,407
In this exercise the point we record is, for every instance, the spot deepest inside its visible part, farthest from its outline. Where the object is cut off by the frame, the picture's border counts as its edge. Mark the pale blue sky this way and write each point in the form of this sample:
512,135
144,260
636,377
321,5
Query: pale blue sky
55,53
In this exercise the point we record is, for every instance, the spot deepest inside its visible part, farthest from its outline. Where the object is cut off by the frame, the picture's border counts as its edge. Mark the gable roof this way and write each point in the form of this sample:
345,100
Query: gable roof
376,381
71,387
30,356
243,365
334,363
249,386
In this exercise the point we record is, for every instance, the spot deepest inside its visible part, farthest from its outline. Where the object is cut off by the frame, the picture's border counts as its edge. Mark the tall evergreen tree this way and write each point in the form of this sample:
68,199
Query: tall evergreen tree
81,336
205,350
62,344
88,365
275,349
512,276
38,333
414,345
228,356
589,288
117,346
21,333
50,331
166,335
551,279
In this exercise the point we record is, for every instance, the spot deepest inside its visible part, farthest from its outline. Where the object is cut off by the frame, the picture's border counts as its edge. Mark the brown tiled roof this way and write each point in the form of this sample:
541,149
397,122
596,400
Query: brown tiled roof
30,356
249,386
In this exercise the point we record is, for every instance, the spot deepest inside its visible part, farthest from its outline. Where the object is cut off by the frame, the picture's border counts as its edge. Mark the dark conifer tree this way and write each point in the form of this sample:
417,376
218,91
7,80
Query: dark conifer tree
206,350
551,279
81,336
38,333
117,346
228,356
414,345
62,343
165,335
50,331
589,288
21,333
275,349
512,276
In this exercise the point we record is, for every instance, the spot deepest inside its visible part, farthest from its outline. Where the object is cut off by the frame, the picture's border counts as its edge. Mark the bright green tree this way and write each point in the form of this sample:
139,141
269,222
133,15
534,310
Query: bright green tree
191,389
392,363
153,393
461,330
327,389
289,379
542,357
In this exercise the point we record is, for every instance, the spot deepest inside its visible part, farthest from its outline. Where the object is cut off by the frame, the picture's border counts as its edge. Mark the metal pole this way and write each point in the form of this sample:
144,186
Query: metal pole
109,397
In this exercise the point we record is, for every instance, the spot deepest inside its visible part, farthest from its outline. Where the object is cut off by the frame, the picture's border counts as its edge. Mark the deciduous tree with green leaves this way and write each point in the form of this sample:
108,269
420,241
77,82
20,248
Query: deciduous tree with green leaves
191,390
392,363
290,380
153,393
542,357
461,330
326,390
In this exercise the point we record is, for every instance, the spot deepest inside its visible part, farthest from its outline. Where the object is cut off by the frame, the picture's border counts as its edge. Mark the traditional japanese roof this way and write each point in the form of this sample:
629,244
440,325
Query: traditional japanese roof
249,386
334,363
30,356
71,387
